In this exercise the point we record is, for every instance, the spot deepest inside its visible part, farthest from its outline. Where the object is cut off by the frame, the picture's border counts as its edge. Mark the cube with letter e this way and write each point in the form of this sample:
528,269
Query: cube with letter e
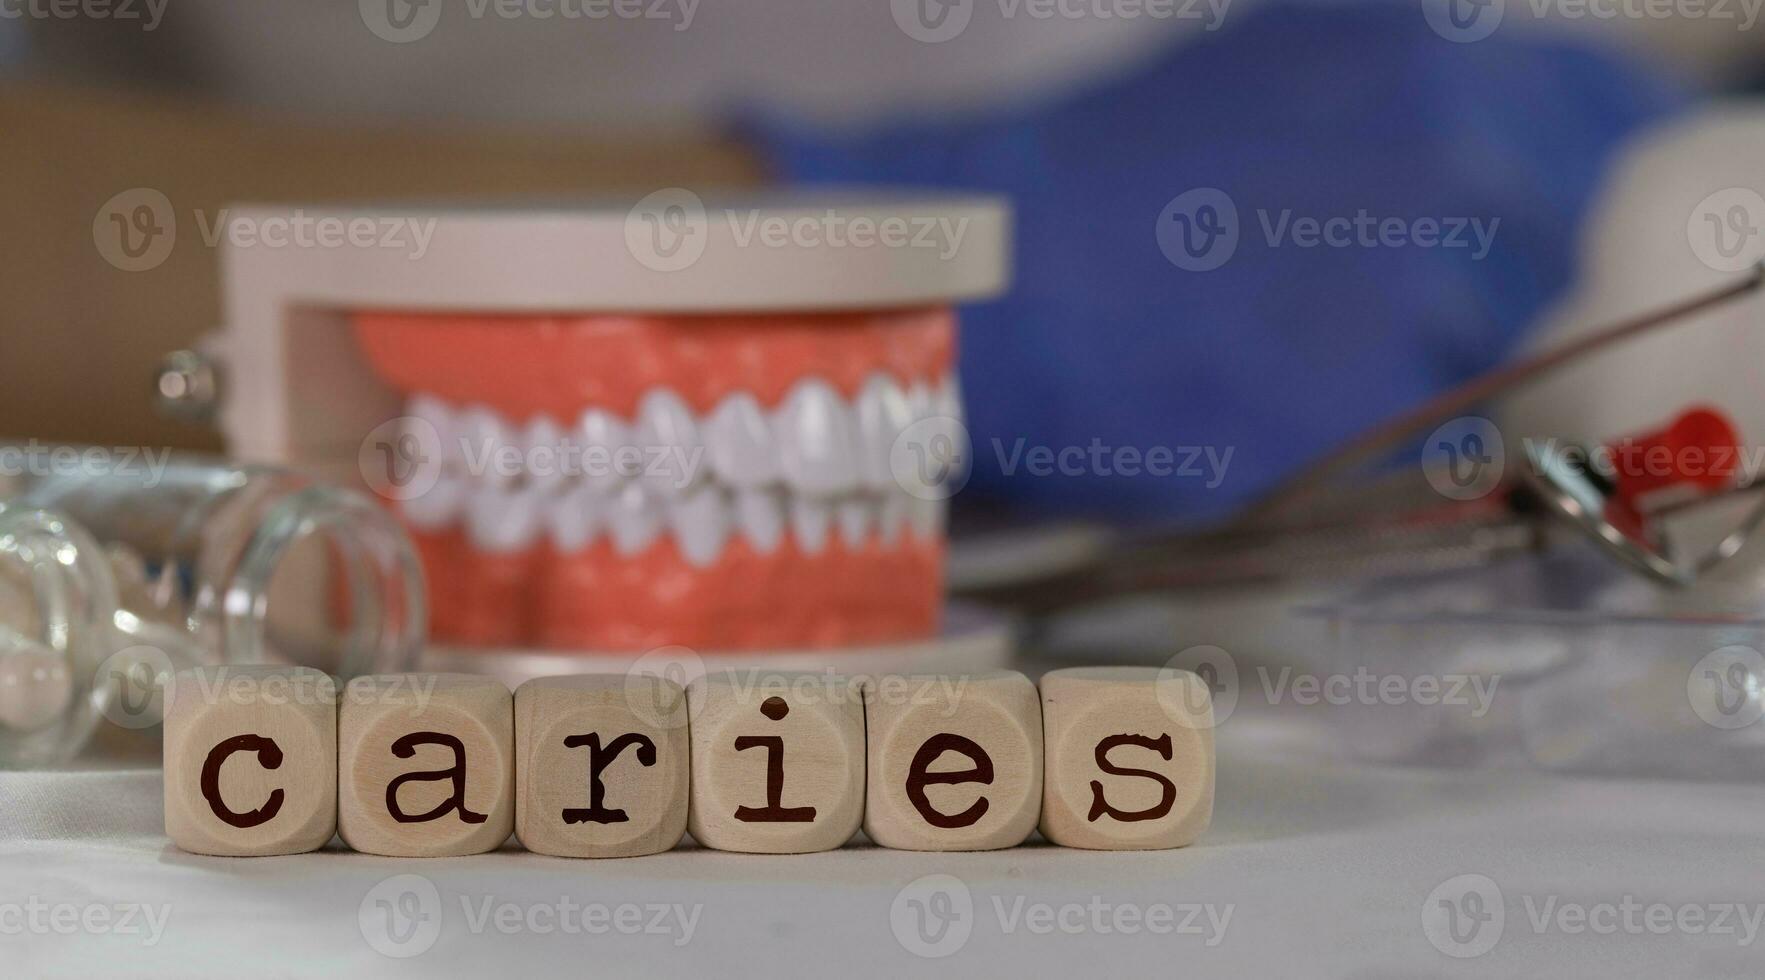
955,761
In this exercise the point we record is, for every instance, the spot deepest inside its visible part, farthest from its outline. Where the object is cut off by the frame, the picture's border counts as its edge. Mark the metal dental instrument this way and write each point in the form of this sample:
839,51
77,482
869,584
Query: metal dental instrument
1320,526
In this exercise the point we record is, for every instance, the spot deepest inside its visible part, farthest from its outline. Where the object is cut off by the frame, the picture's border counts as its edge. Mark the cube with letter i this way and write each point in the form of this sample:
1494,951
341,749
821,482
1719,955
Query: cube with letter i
426,764
1130,761
601,765
251,760
955,761
777,761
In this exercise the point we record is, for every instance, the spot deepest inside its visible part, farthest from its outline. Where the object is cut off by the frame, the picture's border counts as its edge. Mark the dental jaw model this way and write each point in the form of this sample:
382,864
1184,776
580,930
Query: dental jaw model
714,482
599,447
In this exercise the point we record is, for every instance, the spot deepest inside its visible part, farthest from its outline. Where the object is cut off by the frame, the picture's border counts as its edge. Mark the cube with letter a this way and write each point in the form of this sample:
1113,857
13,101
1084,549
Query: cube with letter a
426,764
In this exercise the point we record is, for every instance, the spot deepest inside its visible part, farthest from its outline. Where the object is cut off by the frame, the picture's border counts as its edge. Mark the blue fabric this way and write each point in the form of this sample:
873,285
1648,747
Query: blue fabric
1283,352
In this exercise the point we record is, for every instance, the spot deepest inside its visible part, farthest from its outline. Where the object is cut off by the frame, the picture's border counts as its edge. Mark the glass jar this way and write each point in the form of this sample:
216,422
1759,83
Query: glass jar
215,563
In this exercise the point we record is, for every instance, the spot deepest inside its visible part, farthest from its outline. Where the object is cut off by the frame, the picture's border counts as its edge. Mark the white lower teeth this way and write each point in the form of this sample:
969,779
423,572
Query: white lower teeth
760,515
439,506
500,519
635,520
855,518
701,522
810,521
575,518
892,517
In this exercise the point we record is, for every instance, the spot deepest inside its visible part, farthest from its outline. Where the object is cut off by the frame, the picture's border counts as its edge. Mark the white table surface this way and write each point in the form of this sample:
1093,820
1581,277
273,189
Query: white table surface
1323,867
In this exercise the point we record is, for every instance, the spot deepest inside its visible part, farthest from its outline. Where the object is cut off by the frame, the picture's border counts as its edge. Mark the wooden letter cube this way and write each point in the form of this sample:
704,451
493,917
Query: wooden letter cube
251,760
777,761
1129,757
955,761
601,765
426,764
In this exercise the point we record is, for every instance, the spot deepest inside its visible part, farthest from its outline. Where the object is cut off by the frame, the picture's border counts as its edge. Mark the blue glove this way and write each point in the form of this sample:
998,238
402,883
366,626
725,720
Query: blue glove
1484,155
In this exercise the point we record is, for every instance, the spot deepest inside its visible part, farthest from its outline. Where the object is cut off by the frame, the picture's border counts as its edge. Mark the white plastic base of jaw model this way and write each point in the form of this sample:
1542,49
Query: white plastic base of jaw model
973,640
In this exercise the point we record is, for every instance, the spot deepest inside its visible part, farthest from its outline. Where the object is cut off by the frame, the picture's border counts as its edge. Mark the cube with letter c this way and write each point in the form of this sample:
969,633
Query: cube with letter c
251,760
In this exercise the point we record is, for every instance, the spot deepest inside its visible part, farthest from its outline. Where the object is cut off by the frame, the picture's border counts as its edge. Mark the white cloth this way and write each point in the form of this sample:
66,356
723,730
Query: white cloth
1324,867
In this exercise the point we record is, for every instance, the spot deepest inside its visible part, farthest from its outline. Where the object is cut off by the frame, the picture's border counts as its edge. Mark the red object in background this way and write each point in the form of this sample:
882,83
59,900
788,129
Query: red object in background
1699,450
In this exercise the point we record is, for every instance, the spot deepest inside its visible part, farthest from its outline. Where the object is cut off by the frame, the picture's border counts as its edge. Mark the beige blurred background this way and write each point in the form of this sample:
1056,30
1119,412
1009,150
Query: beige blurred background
224,101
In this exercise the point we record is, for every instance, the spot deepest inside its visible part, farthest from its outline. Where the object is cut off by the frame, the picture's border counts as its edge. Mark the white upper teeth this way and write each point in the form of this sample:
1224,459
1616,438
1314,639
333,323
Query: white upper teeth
741,444
669,437
883,412
813,461
817,443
